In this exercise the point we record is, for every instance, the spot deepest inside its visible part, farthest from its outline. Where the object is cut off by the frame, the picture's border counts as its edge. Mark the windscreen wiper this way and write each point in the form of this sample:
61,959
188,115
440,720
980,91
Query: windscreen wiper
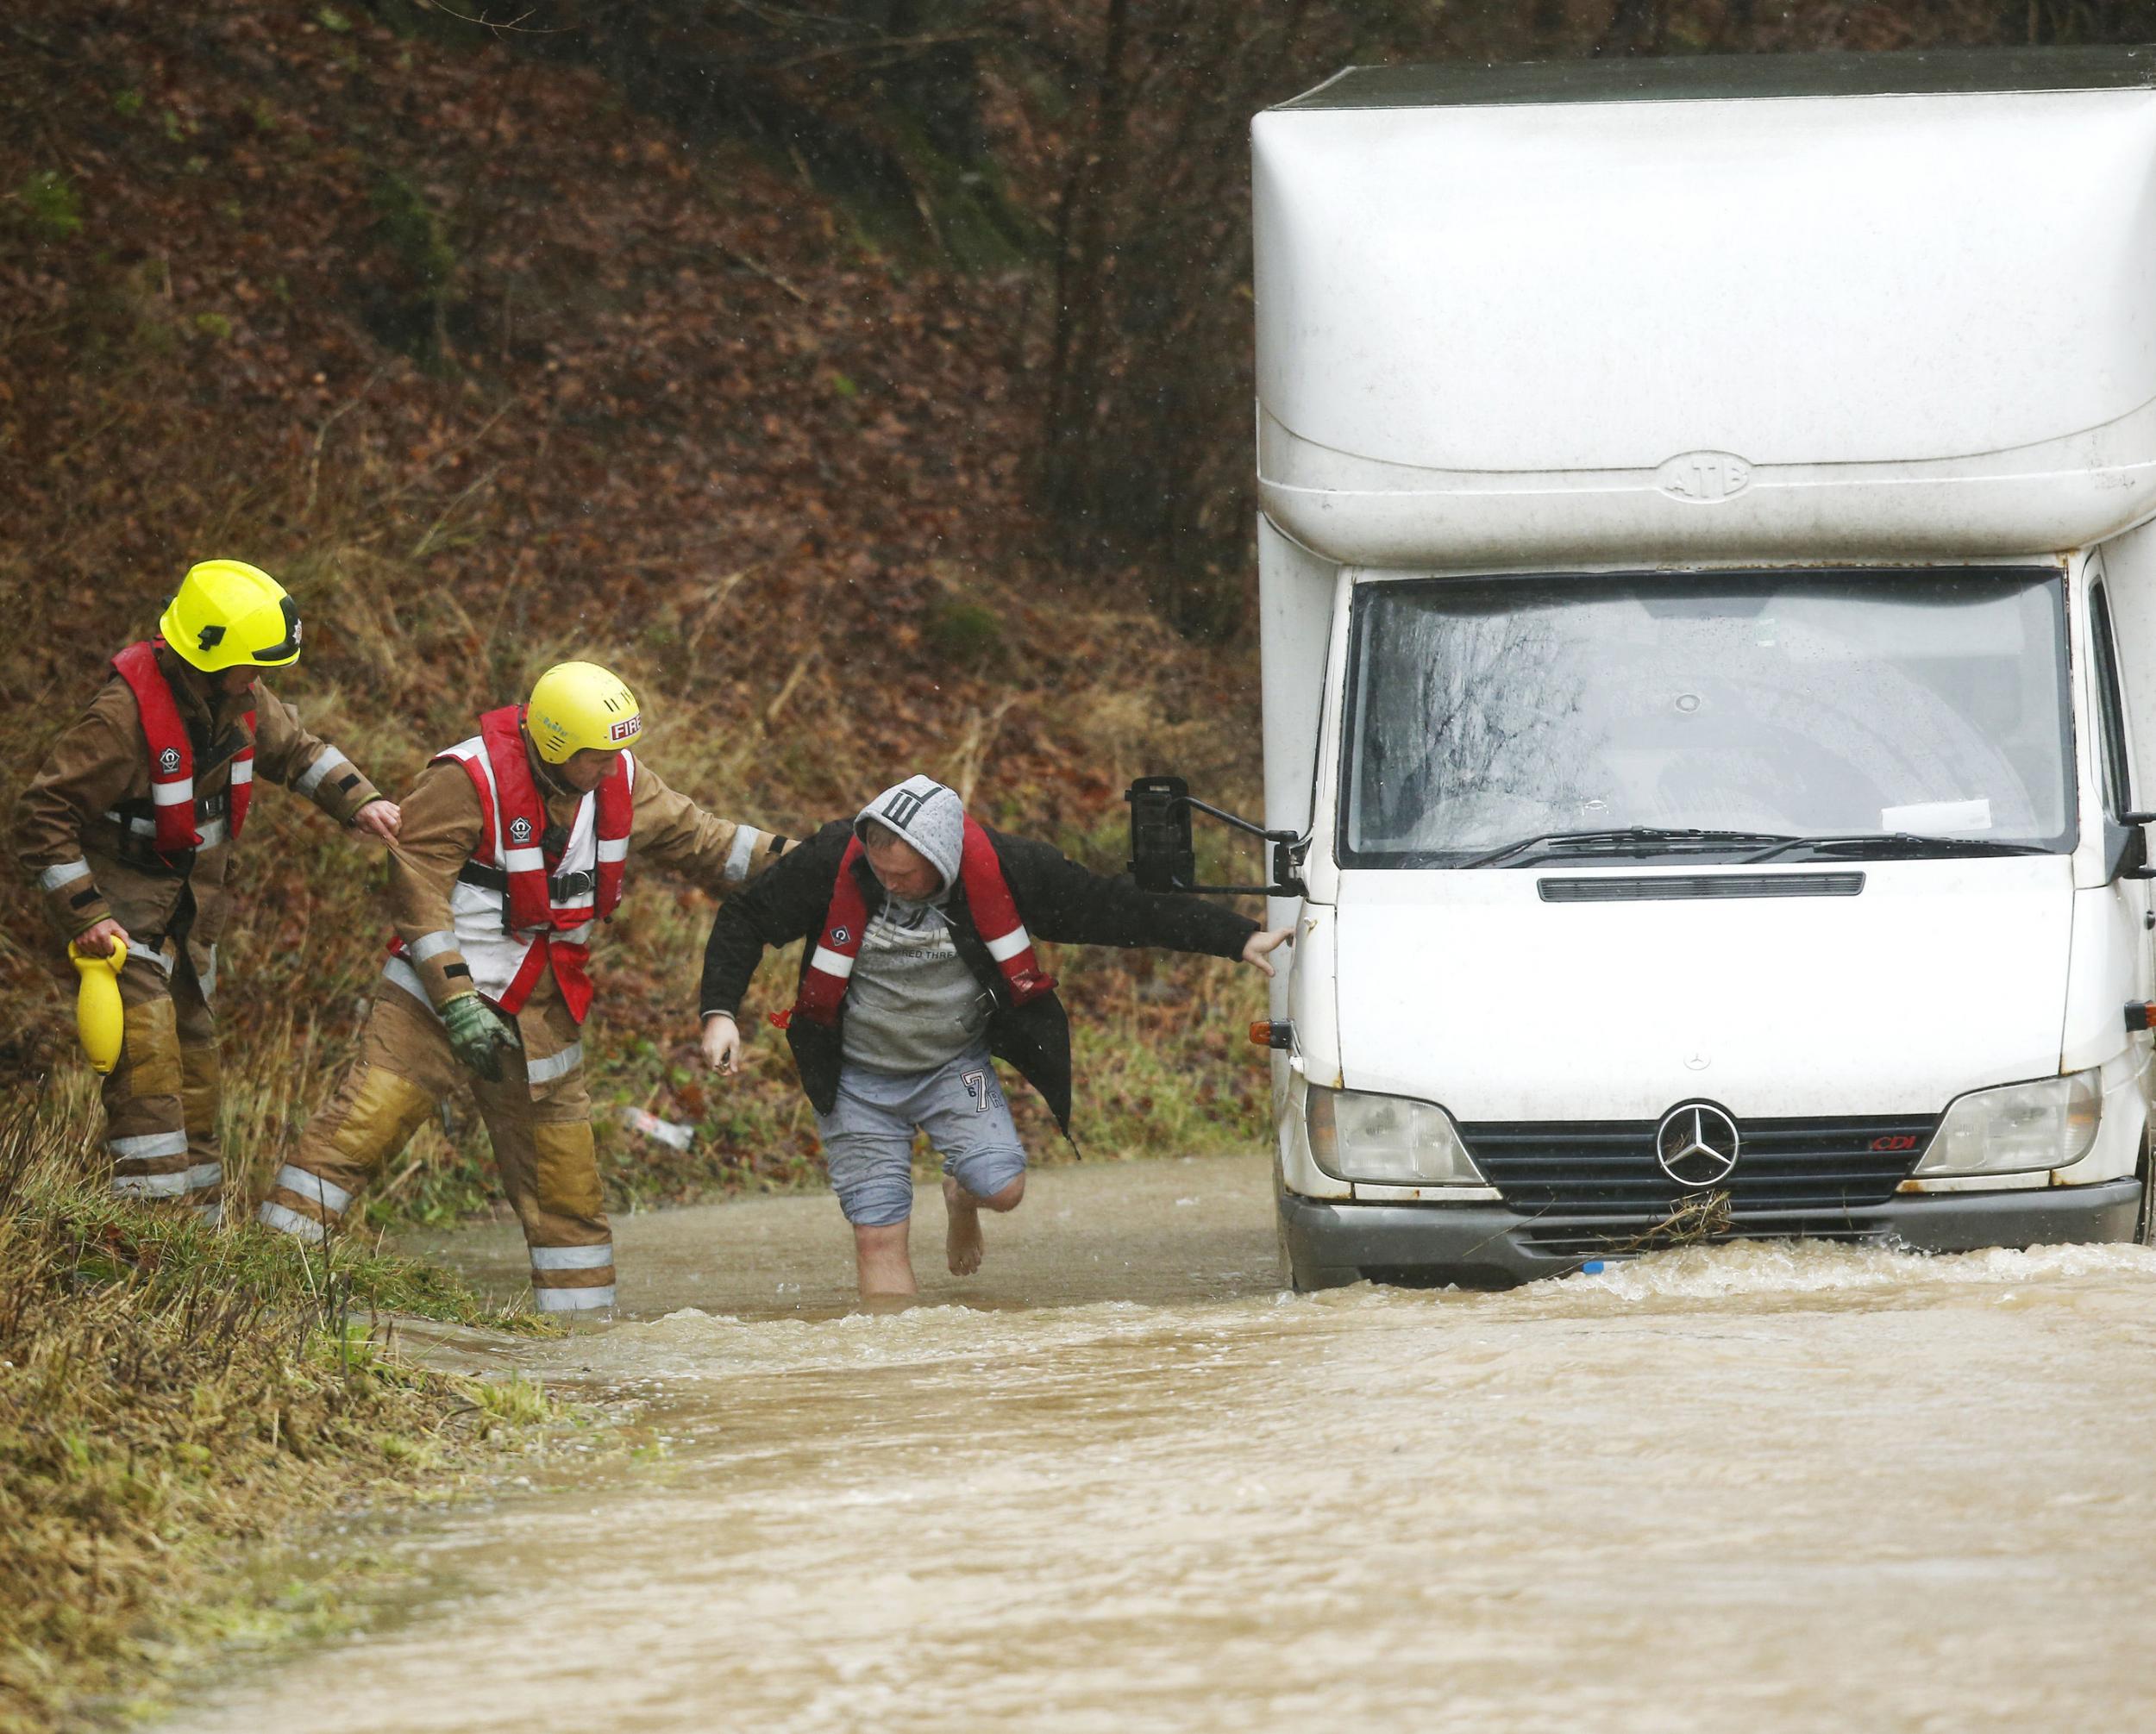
1892,845
1633,840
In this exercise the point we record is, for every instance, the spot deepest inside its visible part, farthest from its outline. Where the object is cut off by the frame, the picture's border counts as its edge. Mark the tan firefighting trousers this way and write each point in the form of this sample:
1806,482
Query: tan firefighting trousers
161,1098
544,1150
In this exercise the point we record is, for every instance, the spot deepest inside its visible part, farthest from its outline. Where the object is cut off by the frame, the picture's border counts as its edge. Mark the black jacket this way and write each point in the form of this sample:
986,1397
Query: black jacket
1057,900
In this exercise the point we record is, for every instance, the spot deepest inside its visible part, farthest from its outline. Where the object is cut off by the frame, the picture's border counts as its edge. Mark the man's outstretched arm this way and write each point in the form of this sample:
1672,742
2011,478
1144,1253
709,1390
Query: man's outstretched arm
1066,903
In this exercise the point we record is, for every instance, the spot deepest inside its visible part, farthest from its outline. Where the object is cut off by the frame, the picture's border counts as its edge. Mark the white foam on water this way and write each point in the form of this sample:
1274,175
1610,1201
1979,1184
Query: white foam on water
1809,1268
689,1343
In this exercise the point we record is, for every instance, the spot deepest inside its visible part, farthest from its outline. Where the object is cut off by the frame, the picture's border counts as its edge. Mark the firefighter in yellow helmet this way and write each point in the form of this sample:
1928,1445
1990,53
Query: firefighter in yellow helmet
517,844
130,829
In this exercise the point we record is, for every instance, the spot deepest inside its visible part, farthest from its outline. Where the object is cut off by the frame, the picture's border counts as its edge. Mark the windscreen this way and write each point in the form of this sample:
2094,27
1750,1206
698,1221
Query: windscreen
1483,712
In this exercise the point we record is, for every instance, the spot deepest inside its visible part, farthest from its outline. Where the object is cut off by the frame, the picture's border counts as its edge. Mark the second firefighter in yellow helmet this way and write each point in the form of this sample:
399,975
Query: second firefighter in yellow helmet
579,707
518,842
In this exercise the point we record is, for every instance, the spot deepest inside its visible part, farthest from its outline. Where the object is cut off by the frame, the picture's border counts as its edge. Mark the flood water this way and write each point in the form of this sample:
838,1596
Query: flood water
1118,1481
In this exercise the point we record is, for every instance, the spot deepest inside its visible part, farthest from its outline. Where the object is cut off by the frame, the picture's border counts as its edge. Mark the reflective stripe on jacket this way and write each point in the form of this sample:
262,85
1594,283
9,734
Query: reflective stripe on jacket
85,826
505,960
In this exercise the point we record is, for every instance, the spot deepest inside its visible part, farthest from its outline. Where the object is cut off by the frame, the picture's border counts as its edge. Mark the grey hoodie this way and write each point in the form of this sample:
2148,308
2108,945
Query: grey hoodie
928,814
912,1005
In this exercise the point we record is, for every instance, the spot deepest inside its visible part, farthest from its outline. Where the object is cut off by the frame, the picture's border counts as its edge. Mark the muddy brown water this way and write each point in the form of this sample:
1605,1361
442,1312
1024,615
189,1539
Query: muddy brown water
1118,1481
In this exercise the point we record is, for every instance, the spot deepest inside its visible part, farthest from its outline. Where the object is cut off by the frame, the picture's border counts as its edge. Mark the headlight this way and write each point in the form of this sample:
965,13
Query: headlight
1386,1140
2046,1125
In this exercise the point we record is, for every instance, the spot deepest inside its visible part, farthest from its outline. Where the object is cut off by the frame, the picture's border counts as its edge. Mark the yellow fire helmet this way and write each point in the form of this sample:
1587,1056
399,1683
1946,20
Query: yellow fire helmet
227,614
580,704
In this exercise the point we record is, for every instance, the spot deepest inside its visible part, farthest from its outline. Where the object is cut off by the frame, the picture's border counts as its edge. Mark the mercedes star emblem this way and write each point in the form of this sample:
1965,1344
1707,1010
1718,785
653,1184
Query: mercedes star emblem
1696,1145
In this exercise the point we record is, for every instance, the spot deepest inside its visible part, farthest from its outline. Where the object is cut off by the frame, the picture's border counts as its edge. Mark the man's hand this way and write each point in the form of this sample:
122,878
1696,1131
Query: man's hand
379,819
477,1034
1255,946
722,1042
96,940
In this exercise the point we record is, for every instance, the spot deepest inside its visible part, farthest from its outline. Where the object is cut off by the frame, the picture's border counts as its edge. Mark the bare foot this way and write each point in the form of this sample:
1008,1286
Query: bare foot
962,1245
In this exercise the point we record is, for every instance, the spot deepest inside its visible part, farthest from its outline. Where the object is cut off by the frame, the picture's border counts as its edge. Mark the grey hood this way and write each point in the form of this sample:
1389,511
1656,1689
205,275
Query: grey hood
928,814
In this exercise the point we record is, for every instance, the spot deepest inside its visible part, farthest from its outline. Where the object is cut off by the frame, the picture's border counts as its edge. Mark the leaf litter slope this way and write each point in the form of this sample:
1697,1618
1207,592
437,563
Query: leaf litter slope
494,371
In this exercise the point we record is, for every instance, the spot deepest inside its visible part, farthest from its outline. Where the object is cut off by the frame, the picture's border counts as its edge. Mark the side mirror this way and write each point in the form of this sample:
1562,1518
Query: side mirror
2126,849
1164,857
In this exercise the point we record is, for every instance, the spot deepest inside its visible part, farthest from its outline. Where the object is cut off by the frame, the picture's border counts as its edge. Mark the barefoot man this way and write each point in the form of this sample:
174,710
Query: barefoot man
920,967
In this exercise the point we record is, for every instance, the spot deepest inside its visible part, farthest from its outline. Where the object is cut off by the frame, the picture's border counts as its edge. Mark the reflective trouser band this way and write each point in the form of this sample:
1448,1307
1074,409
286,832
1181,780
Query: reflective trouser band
313,1188
289,1222
147,1145
326,761
572,1300
555,1065
738,857
572,1257
65,874
199,1177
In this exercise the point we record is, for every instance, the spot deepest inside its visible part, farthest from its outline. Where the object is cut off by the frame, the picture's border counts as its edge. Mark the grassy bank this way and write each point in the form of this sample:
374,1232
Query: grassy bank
170,1392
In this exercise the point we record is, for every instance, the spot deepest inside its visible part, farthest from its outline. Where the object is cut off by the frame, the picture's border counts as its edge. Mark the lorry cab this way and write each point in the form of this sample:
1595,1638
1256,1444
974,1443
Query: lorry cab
1707,617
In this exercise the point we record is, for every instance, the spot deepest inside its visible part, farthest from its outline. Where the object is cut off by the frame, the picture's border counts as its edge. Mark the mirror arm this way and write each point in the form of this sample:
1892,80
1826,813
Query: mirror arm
1236,820
1288,850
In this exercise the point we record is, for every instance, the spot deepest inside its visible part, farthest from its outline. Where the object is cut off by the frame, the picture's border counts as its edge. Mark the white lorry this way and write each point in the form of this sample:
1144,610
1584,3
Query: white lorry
1707,617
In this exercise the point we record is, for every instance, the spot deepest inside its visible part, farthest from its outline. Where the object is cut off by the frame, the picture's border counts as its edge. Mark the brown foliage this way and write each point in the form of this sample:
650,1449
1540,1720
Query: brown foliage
493,369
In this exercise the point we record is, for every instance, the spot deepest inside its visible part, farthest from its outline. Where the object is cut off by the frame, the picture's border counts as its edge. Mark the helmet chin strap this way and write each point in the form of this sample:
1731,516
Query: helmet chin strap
549,774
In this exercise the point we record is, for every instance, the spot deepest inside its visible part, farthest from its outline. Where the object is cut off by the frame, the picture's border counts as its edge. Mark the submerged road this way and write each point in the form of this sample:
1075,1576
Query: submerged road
1118,1481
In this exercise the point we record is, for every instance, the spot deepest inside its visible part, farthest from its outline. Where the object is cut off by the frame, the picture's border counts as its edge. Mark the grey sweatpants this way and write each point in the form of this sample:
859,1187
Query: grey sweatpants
868,1135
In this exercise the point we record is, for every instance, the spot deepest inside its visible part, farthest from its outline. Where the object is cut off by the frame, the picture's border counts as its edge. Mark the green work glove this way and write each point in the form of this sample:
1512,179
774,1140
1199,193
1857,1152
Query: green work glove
477,1034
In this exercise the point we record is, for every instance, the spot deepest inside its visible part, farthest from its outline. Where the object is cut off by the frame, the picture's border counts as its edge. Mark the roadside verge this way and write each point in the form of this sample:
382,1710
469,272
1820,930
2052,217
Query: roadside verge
171,1394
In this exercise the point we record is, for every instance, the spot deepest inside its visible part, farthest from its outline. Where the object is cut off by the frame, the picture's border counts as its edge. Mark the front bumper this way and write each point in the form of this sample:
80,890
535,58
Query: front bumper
1488,1246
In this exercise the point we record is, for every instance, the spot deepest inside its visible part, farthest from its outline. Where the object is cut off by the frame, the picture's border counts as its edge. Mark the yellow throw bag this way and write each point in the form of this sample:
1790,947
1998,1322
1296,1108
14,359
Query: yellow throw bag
98,1018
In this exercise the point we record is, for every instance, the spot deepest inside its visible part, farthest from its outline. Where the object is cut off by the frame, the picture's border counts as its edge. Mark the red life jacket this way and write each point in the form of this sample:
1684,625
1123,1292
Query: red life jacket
172,756
513,822
995,917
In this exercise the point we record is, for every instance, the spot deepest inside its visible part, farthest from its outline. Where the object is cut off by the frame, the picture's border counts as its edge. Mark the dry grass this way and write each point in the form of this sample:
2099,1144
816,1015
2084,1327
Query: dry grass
1161,1066
168,1390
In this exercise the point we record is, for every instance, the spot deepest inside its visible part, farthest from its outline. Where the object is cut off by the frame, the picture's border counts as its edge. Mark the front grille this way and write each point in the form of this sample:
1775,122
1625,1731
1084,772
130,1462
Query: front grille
1605,1169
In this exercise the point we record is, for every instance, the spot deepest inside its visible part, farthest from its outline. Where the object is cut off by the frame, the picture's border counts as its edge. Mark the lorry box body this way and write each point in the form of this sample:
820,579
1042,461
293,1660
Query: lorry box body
1706,620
